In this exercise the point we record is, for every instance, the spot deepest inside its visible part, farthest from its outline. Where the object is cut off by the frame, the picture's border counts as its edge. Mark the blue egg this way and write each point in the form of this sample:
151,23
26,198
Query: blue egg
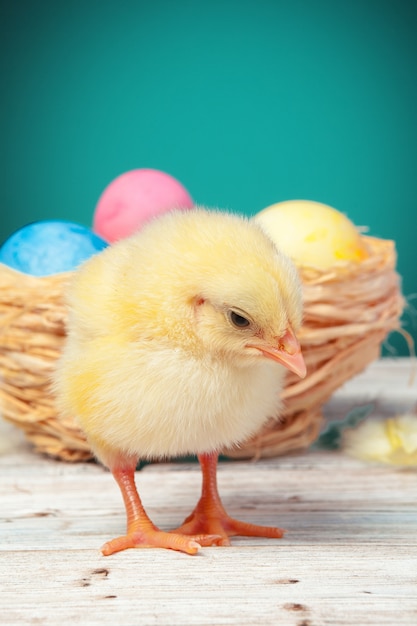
49,247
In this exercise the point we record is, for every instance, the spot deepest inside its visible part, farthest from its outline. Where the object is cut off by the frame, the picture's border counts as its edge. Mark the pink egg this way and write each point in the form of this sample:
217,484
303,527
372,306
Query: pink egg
134,198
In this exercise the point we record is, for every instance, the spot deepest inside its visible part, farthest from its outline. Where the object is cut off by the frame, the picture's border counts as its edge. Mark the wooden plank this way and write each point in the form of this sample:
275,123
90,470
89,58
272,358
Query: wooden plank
250,585
349,555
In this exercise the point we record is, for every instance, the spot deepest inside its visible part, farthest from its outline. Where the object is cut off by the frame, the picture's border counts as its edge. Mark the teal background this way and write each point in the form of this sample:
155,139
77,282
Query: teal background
246,103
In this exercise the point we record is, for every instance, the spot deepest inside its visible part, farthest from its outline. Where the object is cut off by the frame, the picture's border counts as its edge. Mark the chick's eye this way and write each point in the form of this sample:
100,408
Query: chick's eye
238,320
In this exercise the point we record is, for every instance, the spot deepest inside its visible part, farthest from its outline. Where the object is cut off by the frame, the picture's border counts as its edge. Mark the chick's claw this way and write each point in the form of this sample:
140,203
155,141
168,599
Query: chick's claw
159,539
225,526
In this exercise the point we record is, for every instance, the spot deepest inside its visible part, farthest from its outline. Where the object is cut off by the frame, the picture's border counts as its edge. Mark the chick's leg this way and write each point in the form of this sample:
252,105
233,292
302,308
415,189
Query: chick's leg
141,532
209,516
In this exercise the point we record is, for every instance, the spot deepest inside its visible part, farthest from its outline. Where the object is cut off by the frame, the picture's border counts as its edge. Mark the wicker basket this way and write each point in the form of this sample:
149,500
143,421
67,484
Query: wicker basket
348,313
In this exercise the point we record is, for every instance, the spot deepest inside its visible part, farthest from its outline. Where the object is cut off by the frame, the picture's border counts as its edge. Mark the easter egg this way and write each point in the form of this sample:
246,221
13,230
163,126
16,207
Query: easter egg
312,233
50,246
134,198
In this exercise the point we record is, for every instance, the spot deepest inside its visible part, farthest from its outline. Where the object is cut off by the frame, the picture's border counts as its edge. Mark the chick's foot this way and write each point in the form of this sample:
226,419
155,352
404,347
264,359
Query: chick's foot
210,517
155,538
141,532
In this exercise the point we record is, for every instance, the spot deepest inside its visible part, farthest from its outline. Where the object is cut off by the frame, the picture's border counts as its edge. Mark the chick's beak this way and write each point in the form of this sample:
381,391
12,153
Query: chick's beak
287,352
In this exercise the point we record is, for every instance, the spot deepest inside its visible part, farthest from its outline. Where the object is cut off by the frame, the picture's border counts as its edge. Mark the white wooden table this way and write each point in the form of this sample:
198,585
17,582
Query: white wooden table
349,555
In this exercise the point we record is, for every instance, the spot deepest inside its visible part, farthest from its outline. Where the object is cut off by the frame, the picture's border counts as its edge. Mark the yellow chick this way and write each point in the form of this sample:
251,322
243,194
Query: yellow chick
178,340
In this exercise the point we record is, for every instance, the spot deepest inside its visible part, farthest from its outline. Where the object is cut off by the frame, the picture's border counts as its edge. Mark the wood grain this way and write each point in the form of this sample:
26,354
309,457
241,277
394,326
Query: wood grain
349,555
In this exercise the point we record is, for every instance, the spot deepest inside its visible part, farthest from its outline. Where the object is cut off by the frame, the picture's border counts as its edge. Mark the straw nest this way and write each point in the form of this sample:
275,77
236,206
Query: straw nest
348,313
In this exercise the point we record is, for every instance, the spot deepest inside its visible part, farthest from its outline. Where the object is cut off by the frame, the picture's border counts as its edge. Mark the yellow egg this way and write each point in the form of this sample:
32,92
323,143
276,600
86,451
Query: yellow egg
312,233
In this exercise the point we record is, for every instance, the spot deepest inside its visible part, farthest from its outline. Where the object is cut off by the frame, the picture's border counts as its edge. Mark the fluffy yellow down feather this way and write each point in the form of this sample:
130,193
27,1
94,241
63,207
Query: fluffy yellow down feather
393,440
